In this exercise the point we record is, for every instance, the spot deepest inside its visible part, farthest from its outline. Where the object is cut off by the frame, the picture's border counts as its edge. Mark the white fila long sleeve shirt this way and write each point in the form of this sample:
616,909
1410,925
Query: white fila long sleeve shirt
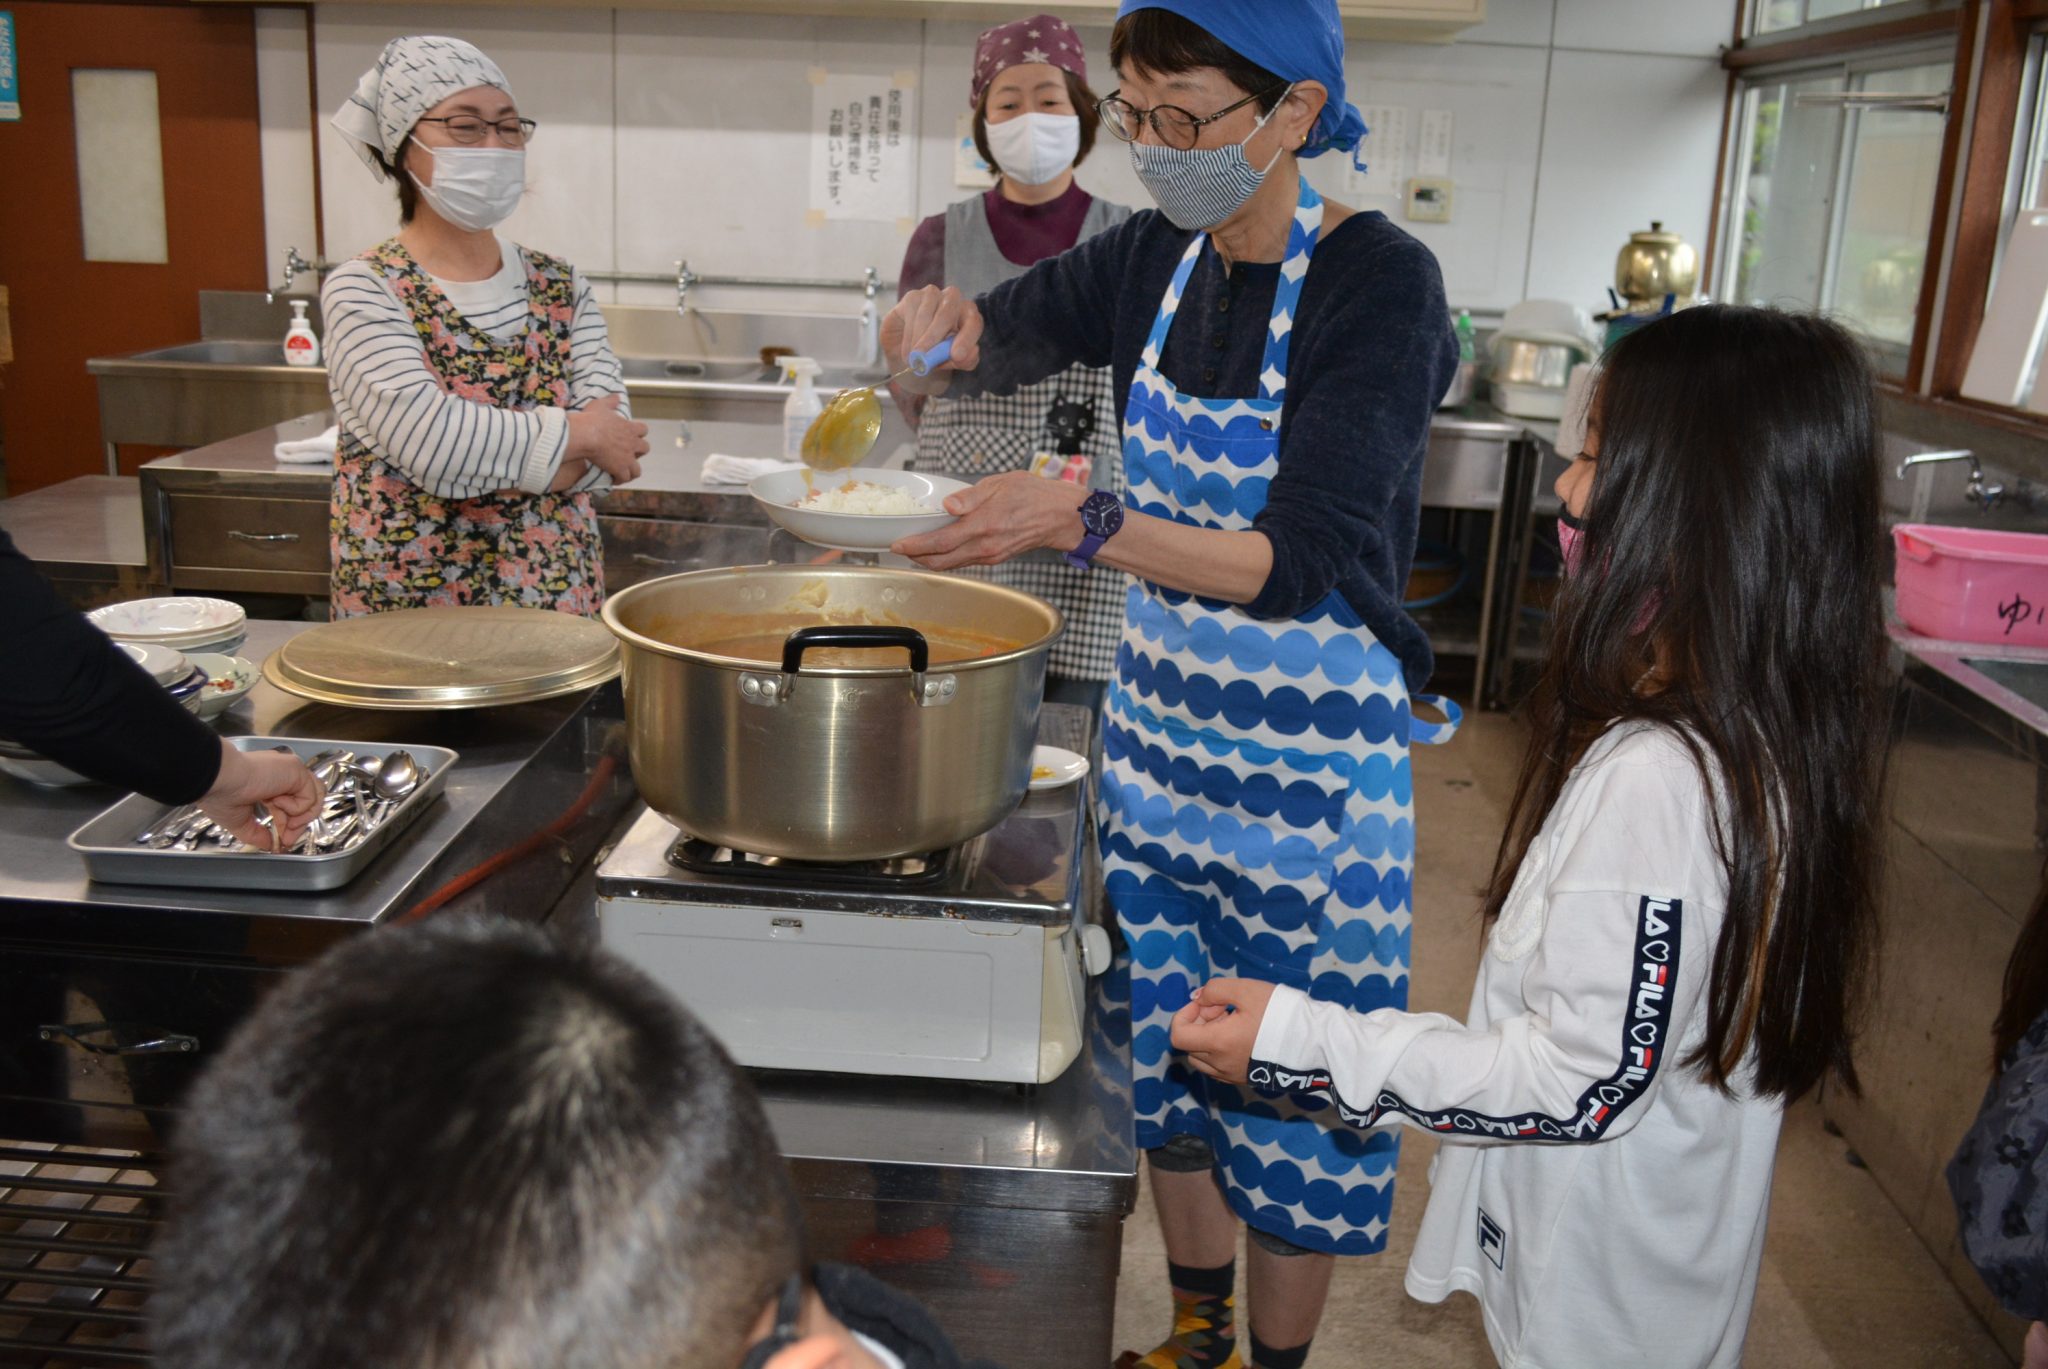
1602,1201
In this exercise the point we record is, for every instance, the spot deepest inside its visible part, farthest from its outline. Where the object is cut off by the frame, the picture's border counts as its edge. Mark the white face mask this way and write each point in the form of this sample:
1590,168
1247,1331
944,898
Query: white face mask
474,187
1032,149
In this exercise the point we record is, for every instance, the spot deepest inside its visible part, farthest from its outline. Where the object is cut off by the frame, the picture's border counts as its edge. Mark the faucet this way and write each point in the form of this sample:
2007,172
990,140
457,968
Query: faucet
294,267
1985,496
685,278
871,320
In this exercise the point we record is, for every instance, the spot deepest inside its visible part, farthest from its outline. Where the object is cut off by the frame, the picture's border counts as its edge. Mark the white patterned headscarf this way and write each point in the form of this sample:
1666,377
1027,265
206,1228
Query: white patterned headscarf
410,78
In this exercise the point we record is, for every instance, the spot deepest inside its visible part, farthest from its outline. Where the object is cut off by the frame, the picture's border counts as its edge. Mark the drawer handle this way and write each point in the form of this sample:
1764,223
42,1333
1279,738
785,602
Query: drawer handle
241,536
156,1042
641,558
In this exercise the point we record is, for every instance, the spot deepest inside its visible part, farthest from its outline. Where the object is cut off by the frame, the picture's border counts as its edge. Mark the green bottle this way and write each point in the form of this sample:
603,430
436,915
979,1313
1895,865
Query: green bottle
1467,352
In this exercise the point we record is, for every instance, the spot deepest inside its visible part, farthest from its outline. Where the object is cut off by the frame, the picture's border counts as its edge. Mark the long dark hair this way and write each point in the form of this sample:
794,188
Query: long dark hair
2026,983
1734,557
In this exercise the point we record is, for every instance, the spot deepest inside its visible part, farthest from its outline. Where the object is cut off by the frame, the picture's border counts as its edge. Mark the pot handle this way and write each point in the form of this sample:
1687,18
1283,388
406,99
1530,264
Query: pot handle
804,638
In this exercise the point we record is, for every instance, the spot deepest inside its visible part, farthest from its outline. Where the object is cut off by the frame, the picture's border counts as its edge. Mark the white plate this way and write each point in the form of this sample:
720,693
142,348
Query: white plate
779,493
1054,767
182,621
166,665
214,700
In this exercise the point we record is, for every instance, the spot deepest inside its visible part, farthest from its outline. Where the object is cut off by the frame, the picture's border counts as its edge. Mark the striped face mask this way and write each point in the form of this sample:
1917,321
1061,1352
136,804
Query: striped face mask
1200,187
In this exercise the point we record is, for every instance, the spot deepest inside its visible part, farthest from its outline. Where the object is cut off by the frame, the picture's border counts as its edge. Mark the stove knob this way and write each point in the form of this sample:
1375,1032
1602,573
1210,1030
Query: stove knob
1096,952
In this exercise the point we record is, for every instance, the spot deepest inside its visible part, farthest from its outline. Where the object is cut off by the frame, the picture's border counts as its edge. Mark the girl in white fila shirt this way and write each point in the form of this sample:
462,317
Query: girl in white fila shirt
1684,900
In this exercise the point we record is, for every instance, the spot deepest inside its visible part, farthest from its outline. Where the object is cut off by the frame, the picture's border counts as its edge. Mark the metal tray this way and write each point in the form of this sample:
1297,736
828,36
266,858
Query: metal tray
111,855
438,658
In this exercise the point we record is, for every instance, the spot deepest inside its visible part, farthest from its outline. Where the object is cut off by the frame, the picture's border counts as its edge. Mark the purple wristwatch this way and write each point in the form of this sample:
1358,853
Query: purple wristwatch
1102,513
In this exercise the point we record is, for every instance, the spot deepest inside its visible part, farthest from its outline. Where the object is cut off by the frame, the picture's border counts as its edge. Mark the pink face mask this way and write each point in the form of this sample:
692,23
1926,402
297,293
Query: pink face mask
1568,544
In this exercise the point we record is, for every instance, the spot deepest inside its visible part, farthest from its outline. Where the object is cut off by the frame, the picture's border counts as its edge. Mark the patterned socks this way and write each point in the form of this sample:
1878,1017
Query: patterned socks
1265,1356
1204,1323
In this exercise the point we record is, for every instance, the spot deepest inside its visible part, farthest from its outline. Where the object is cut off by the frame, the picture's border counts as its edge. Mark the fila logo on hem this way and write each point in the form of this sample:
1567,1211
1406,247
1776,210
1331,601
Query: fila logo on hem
1493,1240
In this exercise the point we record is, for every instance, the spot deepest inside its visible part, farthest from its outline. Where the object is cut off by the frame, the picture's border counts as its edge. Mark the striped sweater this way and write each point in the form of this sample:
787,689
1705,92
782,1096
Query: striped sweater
387,395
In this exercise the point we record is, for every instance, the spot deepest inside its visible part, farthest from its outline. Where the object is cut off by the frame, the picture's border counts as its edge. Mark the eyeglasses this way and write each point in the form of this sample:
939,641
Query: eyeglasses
1174,125
466,130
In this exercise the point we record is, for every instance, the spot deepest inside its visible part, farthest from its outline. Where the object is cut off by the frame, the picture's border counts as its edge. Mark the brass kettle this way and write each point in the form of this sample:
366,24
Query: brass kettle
1655,264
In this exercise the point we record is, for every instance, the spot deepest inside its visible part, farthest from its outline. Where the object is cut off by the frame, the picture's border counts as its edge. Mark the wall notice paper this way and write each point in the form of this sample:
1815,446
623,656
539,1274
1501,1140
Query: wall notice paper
864,148
1433,143
1385,149
10,86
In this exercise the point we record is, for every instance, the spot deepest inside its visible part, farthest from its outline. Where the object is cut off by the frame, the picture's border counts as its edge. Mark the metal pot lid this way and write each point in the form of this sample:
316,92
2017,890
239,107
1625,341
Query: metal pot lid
433,658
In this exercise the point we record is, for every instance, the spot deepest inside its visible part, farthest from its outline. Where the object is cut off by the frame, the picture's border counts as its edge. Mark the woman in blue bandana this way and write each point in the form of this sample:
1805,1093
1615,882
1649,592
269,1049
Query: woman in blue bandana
1280,357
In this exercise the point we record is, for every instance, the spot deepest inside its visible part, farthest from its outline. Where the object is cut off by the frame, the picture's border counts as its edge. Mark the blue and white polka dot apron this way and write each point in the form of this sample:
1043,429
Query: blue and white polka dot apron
1256,811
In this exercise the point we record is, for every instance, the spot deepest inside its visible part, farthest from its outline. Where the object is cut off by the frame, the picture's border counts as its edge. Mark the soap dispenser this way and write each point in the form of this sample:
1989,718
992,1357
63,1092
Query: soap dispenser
301,348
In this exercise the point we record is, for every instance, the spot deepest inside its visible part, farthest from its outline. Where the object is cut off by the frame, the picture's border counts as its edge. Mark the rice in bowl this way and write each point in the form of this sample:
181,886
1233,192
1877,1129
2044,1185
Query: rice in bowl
865,497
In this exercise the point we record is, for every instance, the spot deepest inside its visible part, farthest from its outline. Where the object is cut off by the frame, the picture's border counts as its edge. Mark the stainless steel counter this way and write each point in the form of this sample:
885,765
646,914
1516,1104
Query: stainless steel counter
671,483
86,535
1966,830
519,757
977,1198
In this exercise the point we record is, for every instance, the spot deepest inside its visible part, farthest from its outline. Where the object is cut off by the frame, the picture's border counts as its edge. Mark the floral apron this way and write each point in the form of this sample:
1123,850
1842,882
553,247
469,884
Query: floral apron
395,545
1256,810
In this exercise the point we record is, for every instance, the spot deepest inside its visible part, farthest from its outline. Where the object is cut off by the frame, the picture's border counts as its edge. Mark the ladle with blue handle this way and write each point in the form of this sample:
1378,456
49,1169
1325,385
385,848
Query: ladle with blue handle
844,432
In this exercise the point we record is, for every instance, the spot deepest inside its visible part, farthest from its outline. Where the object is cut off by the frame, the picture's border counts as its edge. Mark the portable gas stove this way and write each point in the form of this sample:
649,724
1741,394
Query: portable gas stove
968,963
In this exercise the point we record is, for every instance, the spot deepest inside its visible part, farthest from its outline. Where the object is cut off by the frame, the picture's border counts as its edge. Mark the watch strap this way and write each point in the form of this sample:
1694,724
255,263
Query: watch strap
1083,556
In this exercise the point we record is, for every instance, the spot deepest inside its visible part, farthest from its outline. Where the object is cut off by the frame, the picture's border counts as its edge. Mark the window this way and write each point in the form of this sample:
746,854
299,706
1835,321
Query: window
1774,16
1834,191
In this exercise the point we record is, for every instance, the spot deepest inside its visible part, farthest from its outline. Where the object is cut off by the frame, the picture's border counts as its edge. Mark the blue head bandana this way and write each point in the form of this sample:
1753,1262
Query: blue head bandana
1296,40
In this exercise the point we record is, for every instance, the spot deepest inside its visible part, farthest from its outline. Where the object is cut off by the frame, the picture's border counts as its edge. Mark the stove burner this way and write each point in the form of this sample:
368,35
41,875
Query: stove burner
897,872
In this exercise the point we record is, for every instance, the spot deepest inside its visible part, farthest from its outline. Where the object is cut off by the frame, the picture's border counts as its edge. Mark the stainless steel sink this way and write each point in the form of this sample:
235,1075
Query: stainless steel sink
219,352
726,372
2028,679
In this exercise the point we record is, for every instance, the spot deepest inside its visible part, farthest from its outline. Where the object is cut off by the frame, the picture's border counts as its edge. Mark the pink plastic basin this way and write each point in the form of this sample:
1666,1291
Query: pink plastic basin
1972,584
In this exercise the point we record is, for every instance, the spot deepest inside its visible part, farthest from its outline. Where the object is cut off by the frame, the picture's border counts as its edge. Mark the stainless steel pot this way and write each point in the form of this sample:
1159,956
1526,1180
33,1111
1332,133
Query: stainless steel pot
833,763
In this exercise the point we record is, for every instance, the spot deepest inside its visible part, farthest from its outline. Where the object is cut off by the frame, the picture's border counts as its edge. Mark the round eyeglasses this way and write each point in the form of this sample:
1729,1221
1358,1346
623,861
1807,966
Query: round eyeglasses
1171,124
467,130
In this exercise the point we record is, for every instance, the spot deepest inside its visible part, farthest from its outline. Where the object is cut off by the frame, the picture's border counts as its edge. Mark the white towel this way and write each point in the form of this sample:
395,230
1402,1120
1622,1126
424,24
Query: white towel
310,451
720,469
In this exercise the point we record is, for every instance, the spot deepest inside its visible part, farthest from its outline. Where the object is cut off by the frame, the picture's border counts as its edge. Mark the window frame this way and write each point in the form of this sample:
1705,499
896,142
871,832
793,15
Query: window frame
1852,63
1998,70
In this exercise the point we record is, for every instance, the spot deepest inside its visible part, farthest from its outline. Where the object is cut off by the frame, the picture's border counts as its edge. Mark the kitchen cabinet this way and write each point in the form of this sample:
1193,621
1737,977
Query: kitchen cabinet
1411,20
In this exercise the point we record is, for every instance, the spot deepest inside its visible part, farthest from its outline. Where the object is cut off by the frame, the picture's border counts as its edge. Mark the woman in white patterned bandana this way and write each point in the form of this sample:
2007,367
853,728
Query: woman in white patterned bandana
477,396
1034,121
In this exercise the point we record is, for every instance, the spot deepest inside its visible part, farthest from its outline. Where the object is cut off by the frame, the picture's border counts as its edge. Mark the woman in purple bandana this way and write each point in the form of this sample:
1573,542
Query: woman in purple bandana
1277,359
1034,122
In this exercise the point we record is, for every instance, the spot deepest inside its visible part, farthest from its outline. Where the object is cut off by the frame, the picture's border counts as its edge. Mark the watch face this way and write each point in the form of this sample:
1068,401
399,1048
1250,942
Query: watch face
1102,513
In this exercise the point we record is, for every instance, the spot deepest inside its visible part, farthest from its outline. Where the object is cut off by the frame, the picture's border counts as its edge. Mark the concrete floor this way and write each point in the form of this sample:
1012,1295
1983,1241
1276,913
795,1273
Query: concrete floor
1844,1283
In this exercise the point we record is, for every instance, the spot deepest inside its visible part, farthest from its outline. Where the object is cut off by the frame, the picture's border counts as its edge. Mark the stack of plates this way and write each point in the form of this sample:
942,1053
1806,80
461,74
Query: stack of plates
183,623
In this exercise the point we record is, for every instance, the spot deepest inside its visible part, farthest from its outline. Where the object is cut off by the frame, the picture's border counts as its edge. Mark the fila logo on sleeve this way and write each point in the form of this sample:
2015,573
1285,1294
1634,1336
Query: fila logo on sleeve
1646,1029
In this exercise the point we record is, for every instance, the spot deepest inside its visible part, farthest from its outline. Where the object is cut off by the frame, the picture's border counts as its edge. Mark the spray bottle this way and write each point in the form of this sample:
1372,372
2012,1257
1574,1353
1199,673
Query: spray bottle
802,407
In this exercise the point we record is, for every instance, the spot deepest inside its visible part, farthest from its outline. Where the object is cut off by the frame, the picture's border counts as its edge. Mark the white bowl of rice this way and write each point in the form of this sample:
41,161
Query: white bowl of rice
856,510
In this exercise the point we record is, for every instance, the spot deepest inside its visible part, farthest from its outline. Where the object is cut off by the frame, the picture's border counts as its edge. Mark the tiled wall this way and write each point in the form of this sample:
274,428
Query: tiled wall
669,134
